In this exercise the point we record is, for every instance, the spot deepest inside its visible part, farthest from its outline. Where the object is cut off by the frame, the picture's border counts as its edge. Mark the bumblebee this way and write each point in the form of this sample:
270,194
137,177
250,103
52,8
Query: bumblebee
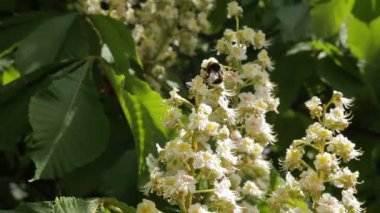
104,5
214,73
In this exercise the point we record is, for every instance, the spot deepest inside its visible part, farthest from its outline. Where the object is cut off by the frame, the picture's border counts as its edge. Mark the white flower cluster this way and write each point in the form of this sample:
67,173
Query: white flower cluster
159,27
332,149
235,43
217,163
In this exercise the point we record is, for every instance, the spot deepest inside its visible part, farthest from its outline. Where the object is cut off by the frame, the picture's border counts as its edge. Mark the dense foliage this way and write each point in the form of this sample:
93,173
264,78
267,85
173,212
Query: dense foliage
82,90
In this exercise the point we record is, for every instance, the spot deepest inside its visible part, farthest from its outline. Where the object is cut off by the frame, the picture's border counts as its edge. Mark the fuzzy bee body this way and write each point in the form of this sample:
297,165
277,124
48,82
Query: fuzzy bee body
214,73
104,5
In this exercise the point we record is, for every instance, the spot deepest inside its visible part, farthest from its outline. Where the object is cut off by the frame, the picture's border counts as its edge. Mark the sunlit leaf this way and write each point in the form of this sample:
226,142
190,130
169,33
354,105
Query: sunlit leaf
10,75
328,16
363,39
144,110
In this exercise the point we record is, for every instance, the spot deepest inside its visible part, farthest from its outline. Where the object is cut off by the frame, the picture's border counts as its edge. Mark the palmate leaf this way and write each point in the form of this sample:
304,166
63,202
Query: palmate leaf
366,10
118,39
57,39
144,110
69,125
363,39
85,179
364,43
328,16
16,28
15,98
43,44
76,205
340,79
62,205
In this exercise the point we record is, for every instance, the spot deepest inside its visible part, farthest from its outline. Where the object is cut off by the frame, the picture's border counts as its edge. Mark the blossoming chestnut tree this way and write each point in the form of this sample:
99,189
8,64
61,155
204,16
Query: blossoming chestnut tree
217,162
83,98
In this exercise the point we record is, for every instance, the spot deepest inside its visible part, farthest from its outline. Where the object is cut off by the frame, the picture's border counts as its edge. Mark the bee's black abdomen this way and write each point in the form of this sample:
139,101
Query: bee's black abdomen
214,67
214,73
218,81
104,5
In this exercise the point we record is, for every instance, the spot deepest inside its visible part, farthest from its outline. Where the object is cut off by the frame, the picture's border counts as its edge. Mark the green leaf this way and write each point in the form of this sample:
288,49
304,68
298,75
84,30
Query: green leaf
69,204
328,16
69,125
275,180
366,10
118,39
10,75
17,27
295,21
86,179
43,45
115,206
339,79
14,103
34,207
5,63
146,113
363,39
76,205
337,55
144,110
63,205
60,38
